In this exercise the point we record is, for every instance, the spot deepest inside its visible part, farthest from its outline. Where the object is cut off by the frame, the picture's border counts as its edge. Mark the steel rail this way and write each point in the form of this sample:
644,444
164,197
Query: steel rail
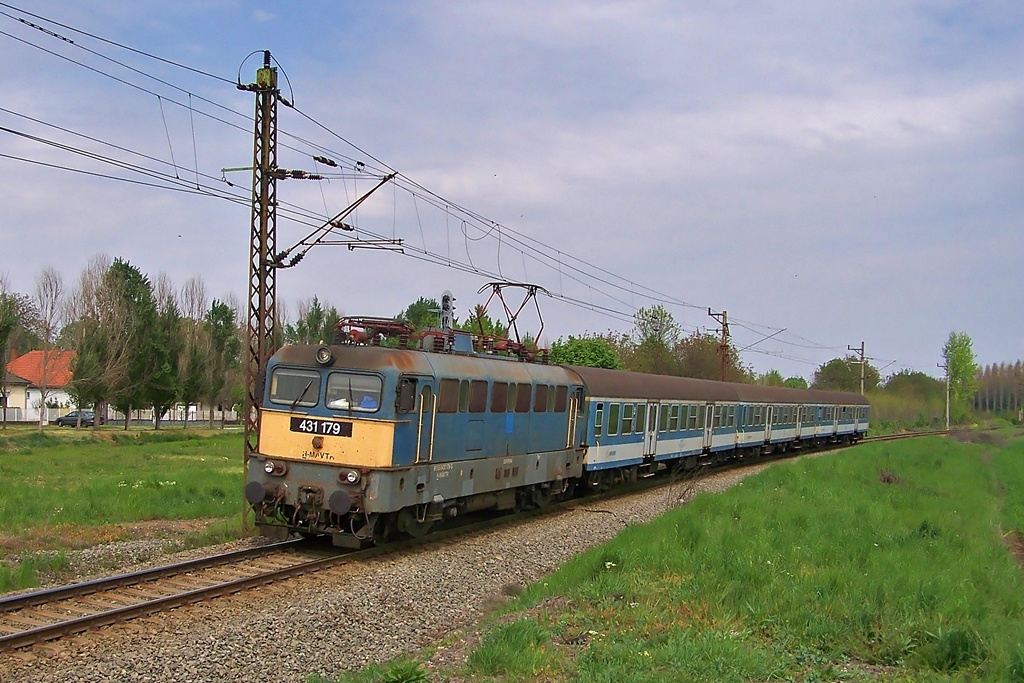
41,597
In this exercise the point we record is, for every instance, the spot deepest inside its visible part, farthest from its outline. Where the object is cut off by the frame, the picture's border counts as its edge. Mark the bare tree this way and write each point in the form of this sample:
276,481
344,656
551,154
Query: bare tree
49,302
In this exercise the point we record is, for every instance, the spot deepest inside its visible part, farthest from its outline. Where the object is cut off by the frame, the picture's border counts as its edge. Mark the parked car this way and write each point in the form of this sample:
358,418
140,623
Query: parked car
71,419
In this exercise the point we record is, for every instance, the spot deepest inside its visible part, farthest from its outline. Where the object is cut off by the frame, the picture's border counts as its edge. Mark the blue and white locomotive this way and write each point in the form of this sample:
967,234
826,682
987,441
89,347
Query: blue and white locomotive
364,442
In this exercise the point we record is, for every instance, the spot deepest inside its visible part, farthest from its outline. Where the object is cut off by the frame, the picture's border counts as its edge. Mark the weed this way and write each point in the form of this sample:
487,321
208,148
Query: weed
952,650
515,649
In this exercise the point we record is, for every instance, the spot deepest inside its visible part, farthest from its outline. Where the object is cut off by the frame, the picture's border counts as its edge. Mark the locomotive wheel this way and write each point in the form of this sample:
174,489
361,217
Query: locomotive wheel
408,524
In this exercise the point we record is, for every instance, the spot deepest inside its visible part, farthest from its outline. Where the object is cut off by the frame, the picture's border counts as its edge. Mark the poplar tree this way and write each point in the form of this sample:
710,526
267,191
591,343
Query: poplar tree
962,368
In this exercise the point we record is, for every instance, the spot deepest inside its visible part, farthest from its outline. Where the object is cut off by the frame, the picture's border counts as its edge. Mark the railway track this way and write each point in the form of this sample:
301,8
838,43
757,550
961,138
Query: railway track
49,614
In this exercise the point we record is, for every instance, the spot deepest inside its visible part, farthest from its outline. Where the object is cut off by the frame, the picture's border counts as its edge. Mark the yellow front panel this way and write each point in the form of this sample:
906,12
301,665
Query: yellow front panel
370,445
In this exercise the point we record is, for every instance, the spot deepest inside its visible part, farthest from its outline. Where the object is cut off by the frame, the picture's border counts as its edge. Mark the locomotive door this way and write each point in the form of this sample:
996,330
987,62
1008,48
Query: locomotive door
708,425
425,441
651,432
576,408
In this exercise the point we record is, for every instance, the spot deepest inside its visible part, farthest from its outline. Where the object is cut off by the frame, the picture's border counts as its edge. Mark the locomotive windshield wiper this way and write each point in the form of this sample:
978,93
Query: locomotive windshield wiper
350,396
298,398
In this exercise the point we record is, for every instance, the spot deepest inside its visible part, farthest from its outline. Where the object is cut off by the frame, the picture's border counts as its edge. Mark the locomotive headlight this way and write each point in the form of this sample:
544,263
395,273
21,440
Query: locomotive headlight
324,355
348,476
275,469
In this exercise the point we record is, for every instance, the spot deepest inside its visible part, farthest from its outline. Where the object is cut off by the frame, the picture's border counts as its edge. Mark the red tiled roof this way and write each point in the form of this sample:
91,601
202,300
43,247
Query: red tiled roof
30,366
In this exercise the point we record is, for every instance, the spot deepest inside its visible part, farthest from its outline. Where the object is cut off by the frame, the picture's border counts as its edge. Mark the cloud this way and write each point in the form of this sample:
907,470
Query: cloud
262,16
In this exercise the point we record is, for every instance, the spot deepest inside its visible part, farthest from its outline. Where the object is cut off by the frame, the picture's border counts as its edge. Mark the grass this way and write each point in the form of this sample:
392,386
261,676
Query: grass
892,561
65,489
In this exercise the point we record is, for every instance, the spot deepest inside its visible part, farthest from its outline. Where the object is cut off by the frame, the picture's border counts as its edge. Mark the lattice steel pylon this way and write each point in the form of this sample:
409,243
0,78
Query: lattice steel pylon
262,278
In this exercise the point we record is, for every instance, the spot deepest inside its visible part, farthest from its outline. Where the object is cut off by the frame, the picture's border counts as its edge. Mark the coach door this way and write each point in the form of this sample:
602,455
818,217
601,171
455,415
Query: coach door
426,426
709,413
651,433
799,419
769,417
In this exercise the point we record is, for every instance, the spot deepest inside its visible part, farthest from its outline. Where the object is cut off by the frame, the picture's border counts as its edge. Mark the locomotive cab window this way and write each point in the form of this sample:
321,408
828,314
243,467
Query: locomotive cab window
289,386
347,391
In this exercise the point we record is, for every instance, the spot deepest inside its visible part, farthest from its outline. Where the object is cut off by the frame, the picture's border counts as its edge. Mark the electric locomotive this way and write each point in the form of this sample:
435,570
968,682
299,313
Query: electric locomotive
364,442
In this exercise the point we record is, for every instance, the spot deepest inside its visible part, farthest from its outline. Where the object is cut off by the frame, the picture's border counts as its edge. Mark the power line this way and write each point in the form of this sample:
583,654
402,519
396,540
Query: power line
554,259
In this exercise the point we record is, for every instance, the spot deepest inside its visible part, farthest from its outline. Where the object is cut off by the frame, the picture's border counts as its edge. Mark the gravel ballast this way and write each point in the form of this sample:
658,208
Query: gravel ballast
345,617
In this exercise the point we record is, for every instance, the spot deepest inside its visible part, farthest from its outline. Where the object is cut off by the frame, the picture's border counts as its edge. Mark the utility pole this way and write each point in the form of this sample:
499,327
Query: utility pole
262,305
945,366
723,347
863,366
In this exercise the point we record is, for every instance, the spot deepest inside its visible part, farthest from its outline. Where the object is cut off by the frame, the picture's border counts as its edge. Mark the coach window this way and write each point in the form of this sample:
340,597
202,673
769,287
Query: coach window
673,420
478,396
354,392
663,417
448,396
561,398
540,399
523,397
691,420
732,416
613,419
464,396
716,417
641,417
499,397
599,420
295,387
627,418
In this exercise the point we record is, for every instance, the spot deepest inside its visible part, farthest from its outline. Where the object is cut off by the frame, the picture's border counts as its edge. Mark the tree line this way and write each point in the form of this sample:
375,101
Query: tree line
144,344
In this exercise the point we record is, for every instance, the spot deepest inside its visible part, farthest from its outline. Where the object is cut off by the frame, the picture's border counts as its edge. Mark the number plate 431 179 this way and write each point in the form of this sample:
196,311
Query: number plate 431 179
312,425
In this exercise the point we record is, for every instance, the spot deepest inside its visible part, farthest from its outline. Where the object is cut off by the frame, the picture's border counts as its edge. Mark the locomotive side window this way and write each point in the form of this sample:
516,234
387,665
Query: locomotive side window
477,396
448,396
463,395
561,399
551,398
599,420
510,404
499,397
405,402
523,398
354,392
613,419
295,387
540,399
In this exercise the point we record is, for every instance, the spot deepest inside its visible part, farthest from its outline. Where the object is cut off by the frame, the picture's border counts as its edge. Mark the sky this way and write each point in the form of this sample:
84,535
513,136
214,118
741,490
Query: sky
828,173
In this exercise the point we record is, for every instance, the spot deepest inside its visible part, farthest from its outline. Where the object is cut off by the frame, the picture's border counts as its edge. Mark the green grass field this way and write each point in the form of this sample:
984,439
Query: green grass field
63,489
892,561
